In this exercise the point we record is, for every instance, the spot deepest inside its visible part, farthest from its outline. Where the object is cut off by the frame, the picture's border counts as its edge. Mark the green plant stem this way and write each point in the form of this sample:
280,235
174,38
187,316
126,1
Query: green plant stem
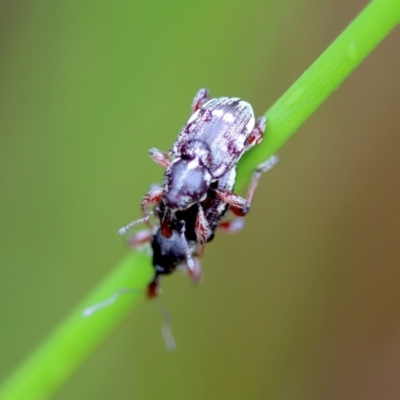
53,362
74,340
321,79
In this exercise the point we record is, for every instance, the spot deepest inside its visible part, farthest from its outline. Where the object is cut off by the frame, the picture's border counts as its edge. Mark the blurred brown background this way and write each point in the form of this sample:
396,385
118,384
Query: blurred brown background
305,302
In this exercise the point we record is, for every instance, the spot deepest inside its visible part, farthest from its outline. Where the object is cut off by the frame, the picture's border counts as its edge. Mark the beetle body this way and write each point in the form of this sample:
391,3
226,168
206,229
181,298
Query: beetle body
181,248
208,146
197,189
216,134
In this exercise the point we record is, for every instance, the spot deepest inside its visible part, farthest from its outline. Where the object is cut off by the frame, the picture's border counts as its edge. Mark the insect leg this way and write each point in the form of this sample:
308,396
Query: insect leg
201,227
238,204
263,167
232,226
140,239
152,197
159,157
192,263
202,96
257,134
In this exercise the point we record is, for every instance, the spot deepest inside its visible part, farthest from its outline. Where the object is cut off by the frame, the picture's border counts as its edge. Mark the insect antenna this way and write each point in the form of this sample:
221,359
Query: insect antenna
134,223
166,328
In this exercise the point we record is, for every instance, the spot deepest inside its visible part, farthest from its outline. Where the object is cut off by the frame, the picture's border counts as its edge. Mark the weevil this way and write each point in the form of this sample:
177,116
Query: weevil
209,145
197,190
181,248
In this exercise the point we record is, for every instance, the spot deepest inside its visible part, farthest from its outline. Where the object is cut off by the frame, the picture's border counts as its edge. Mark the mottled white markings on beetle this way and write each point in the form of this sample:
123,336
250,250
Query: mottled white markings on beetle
228,117
193,164
250,124
218,113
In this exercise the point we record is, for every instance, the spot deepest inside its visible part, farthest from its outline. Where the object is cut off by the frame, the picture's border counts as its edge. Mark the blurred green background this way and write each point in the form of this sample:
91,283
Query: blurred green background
302,304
